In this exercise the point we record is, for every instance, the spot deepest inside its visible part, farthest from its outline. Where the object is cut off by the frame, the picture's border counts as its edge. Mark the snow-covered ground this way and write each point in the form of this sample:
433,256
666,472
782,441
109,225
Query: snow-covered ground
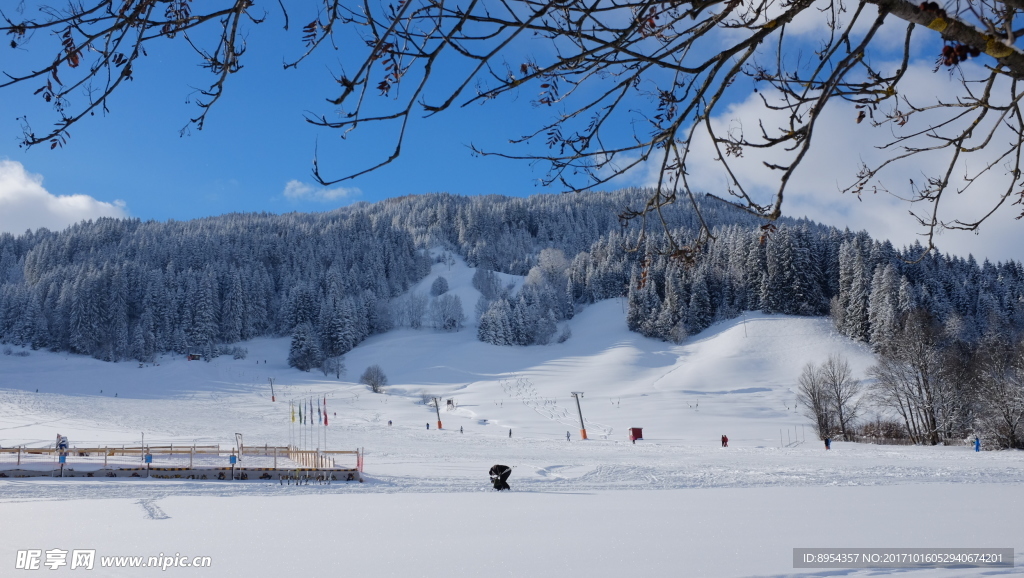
675,503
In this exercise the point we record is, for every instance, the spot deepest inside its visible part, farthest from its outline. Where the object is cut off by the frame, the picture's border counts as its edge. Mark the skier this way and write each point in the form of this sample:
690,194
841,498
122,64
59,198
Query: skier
566,436
428,425
62,443
499,474
509,433
828,443
389,422
460,429
725,441
977,444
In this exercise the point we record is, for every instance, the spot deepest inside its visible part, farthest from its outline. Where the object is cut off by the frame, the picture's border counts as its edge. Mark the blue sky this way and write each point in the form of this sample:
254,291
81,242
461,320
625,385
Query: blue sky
254,143
255,152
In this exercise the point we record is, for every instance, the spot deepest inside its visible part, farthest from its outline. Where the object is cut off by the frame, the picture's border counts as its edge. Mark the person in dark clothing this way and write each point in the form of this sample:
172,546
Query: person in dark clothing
725,441
828,443
499,474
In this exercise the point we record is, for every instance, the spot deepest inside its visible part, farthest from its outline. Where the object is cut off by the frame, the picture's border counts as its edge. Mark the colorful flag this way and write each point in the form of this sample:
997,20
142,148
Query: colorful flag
300,415
319,416
291,406
325,410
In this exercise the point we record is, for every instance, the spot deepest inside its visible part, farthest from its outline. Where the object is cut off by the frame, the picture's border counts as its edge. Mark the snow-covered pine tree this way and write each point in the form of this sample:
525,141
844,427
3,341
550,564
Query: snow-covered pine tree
304,353
882,313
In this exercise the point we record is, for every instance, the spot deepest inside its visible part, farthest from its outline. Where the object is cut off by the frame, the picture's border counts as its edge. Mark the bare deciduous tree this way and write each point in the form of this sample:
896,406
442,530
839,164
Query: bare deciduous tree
629,84
409,310
333,365
813,396
1002,396
831,396
446,313
375,378
842,391
909,380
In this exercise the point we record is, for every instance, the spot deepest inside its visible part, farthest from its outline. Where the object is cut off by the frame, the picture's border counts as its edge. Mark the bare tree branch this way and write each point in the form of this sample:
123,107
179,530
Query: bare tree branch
629,84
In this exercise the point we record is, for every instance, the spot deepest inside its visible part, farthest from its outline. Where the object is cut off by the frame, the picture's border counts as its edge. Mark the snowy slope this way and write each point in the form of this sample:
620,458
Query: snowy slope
736,378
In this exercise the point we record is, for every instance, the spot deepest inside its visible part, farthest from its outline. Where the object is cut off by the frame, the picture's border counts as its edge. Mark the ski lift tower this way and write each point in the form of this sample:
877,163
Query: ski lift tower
583,428
437,408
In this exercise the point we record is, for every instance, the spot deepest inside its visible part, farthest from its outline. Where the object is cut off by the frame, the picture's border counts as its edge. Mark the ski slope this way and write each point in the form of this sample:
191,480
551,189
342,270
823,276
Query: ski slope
675,503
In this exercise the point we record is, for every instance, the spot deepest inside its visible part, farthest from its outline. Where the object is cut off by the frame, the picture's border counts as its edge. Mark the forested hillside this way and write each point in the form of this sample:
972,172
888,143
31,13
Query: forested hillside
125,289
120,289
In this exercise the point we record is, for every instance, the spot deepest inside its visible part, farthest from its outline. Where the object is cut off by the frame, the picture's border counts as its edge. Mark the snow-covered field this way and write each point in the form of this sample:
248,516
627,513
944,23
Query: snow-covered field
675,503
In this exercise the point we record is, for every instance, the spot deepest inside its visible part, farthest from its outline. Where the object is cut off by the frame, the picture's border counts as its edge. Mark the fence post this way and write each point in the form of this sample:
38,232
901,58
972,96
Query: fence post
275,457
19,455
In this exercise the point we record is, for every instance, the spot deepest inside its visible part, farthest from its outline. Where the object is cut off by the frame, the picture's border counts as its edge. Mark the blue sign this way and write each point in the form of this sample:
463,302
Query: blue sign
149,458
233,460
63,459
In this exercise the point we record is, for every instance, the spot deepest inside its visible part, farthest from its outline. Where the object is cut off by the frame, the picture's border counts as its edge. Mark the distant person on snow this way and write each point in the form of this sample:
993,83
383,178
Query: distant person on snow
62,443
828,443
499,474
725,441
977,444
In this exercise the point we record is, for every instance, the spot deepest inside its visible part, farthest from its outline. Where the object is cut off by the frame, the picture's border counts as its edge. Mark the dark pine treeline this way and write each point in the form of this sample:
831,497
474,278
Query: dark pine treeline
867,286
123,289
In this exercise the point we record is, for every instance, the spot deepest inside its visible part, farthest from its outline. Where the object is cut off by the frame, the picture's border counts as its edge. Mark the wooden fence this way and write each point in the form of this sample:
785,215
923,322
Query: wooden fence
318,459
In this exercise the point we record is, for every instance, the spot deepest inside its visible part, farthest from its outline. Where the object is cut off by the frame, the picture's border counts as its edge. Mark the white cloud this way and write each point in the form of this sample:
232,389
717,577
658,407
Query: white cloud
300,191
839,146
25,204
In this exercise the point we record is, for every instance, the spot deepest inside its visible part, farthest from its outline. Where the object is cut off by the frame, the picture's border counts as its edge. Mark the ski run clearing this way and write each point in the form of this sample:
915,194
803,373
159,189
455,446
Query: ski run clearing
673,504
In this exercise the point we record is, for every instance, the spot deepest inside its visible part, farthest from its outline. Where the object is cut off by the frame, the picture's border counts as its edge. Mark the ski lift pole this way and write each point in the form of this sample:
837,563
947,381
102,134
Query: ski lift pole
583,428
437,408
273,397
